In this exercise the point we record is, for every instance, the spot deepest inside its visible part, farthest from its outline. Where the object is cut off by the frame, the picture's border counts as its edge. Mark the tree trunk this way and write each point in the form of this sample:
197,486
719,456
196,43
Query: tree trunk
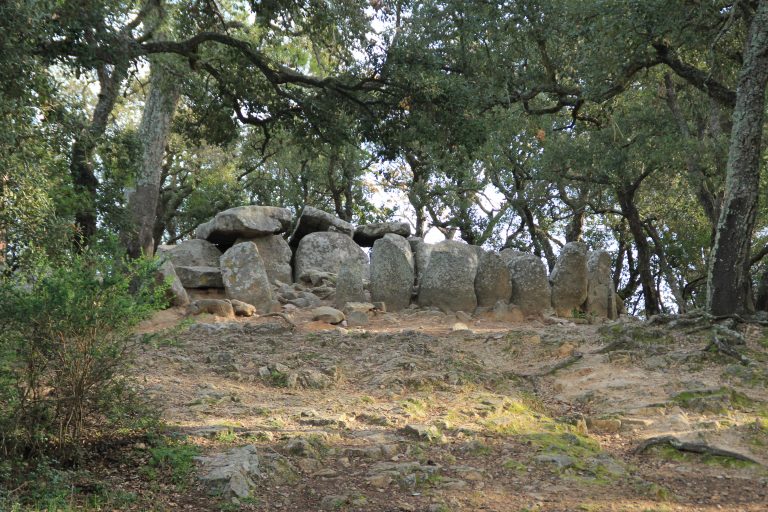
153,132
729,285
81,160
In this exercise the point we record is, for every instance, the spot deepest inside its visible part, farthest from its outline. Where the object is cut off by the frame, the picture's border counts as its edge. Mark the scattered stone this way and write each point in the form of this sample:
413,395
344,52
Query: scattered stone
392,272
313,220
200,277
601,296
560,460
422,432
325,252
242,308
215,307
244,222
449,280
569,279
327,314
349,283
276,255
231,474
245,277
176,294
492,282
530,286
367,234
357,319
461,316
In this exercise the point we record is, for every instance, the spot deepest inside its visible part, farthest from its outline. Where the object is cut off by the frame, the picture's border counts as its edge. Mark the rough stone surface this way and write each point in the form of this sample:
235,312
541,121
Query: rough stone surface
325,251
244,222
530,286
601,297
503,312
231,474
421,251
392,272
492,282
177,295
508,254
449,279
216,307
245,277
192,253
276,255
367,234
327,314
200,277
313,220
349,283
569,279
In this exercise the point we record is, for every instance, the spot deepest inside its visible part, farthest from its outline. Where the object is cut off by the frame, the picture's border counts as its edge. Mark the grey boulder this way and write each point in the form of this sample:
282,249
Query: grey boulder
244,222
367,234
325,252
313,220
176,293
349,283
530,286
601,297
200,277
492,282
569,279
276,254
245,277
392,272
449,279
191,253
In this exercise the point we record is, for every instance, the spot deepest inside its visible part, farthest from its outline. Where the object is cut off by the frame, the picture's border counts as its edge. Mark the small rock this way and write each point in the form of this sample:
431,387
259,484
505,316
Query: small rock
327,314
463,317
562,461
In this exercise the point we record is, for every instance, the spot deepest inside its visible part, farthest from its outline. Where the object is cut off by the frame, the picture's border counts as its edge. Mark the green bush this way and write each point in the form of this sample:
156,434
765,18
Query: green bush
64,346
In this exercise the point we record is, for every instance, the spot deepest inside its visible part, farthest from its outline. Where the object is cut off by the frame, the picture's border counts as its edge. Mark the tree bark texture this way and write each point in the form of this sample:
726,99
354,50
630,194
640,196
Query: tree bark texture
729,285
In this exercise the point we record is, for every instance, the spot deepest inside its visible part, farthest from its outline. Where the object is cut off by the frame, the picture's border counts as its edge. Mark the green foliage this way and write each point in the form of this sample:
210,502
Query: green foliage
64,348
171,460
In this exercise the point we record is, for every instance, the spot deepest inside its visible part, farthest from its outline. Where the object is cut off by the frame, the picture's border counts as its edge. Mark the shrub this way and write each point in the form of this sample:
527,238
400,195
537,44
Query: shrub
64,346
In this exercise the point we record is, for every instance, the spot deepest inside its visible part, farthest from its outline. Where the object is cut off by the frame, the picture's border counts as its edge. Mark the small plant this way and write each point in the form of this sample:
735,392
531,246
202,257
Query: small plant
172,460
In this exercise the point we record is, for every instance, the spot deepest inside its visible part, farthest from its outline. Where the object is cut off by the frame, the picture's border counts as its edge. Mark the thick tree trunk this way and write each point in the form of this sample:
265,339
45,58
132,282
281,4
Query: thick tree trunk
155,127
729,285
81,160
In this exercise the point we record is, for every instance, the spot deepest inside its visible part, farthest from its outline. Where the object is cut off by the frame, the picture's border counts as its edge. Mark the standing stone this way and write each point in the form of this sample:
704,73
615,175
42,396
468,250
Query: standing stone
509,254
191,253
276,255
530,286
349,283
245,277
392,272
367,234
176,292
492,283
569,279
421,251
244,222
313,220
601,297
200,277
325,251
449,279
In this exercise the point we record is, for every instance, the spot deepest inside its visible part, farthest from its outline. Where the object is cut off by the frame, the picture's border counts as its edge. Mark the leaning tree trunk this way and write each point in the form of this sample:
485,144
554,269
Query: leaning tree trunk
153,131
729,285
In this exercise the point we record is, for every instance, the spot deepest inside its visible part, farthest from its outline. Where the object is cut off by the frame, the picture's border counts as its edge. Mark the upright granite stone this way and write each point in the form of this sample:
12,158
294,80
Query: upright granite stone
313,220
191,253
176,294
244,222
367,234
325,251
530,286
276,255
449,279
421,251
392,272
245,276
492,283
349,283
508,254
601,297
200,277
569,279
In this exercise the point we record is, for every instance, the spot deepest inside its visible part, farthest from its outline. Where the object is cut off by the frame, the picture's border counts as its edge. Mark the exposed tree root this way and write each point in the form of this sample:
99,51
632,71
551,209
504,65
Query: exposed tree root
685,446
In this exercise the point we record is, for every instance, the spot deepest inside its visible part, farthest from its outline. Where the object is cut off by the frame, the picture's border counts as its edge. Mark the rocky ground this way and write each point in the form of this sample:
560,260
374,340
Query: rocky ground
416,413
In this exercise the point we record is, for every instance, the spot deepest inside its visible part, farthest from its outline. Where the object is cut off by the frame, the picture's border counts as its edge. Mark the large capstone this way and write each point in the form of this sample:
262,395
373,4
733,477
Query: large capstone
276,255
367,234
530,286
313,220
601,297
200,277
569,279
325,251
449,279
349,283
392,272
244,222
245,276
492,282
191,253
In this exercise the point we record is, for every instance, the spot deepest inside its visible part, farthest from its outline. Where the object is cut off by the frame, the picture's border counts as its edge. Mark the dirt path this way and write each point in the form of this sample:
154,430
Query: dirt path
409,415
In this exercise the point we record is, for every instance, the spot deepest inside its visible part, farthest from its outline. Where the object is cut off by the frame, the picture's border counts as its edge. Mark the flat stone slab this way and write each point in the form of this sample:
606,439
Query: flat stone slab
200,277
244,222
367,234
